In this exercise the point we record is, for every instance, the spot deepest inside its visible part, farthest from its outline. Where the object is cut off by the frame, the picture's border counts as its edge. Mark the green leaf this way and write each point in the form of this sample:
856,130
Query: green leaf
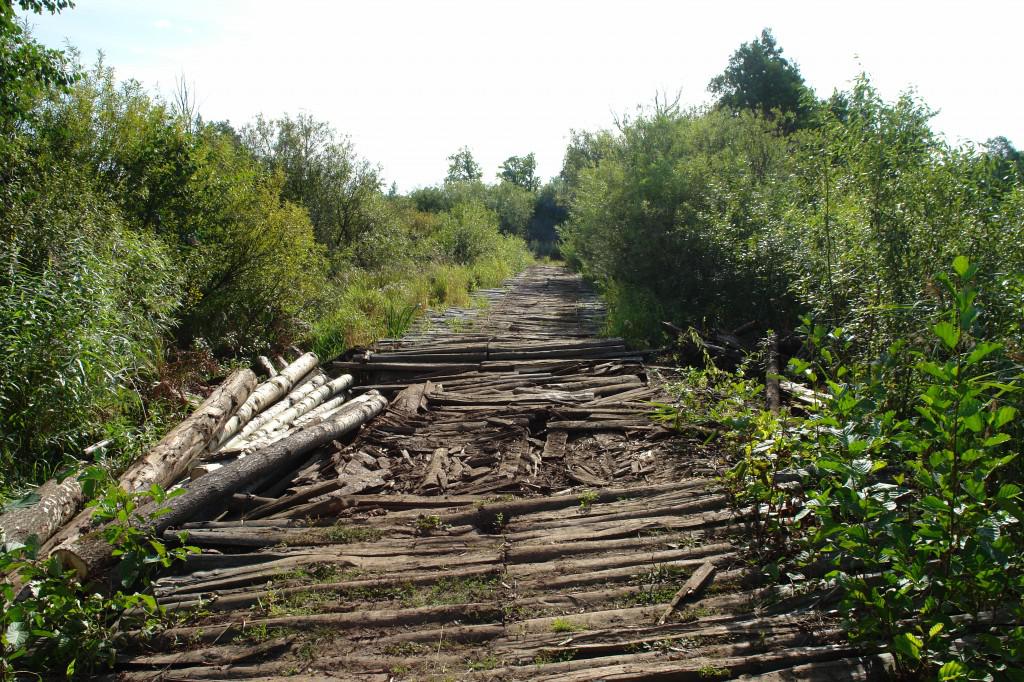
1004,415
982,350
952,670
998,439
907,645
934,630
961,265
949,334
17,634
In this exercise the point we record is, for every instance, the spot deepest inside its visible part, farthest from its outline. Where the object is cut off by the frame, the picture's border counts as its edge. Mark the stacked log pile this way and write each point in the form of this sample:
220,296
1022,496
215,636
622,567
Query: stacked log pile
241,442
512,515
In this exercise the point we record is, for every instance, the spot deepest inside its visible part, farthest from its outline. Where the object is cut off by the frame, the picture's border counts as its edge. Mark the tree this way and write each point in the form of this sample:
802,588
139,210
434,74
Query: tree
520,170
1006,161
760,79
27,69
513,204
462,167
322,172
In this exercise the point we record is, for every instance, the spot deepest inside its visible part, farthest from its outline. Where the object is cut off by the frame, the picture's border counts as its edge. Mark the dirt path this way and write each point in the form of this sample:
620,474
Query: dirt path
514,515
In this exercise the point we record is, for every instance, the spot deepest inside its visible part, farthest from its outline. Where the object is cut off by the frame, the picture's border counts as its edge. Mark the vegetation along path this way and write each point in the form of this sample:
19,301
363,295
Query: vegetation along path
513,514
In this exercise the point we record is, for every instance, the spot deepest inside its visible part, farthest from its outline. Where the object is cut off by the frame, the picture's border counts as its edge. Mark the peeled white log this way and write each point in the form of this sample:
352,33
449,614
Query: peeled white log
89,554
175,454
320,410
267,366
268,393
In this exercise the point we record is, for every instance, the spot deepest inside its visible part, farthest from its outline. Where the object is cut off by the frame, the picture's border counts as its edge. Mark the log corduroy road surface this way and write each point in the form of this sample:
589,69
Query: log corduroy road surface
512,514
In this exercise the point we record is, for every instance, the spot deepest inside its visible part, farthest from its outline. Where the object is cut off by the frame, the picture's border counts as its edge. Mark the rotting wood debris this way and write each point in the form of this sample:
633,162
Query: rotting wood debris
511,515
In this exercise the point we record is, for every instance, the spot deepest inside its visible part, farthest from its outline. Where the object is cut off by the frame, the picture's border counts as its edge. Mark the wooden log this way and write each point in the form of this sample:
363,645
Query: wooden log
697,582
58,502
268,367
257,422
208,491
315,415
485,515
606,425
332,503
321,417
436,476
89,554
222,655
268,393
407,367
175,454
383,618
298,497
248,598
692,667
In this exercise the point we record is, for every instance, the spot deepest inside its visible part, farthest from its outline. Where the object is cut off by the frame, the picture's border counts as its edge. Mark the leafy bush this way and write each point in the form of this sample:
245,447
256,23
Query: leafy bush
930,501
914,504
723,220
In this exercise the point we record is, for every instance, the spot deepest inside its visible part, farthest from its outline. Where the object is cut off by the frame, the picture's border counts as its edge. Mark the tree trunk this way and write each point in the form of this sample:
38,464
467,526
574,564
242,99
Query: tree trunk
173,456
58,502
267,366
231,446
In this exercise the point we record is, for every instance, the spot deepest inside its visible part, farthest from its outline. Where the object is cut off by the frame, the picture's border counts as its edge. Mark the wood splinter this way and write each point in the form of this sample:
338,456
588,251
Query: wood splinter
697,582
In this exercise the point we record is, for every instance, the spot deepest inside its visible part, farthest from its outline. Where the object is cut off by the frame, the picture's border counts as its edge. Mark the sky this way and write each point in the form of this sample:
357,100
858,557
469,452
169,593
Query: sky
411,81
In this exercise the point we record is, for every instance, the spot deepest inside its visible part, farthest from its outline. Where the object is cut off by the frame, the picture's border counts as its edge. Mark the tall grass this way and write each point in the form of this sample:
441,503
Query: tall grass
371,306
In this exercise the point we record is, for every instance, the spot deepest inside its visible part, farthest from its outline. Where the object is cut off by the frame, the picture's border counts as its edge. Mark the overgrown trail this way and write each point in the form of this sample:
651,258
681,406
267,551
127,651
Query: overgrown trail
513,515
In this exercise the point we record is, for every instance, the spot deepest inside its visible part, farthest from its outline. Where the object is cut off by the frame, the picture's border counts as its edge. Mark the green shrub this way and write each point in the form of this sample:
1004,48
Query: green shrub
915,503
59,627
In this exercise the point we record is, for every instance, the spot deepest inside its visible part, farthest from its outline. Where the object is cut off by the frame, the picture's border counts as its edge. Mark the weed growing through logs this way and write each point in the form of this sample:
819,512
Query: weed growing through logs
428,523
711,672
488,662
904,480
565,625
344,534
587,499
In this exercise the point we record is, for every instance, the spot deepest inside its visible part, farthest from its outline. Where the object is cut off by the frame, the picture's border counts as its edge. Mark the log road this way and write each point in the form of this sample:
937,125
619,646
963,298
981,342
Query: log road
512,515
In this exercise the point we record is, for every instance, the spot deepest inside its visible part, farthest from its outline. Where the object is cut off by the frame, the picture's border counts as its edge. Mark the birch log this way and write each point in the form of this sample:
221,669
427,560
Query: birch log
267,366
58,502
90,554
197,430
267,439
172,457
228,446
268,393
284,417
